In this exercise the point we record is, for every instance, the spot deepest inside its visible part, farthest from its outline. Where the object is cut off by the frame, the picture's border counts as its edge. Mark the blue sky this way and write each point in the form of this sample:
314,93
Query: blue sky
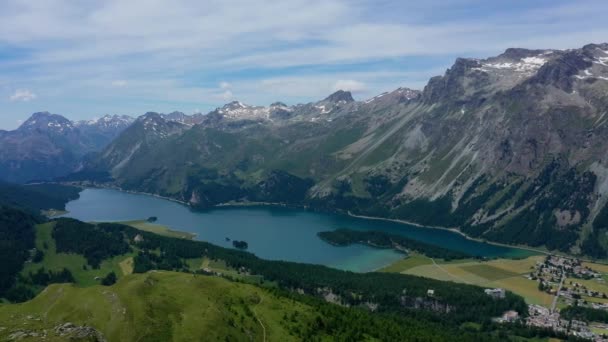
84,59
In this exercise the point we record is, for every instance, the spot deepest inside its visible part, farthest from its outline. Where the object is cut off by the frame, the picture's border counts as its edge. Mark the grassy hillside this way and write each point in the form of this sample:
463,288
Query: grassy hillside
84,275
172,306
161,306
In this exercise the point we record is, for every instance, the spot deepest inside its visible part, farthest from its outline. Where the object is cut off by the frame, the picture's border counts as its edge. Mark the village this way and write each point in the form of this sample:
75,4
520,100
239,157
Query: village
565,279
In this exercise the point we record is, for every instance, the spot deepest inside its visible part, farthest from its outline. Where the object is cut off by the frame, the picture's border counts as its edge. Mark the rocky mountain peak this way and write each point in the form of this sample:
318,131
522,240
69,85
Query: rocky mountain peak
237,110
150,116
107,122
559,72
234,105
183,118
450,85
398,95
519,53
340,96
46,121
278,104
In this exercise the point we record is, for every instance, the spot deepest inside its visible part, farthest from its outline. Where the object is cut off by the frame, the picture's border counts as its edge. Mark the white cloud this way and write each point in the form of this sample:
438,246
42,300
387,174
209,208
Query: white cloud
224,96
180,52
227,95
22,95
349,85
119,83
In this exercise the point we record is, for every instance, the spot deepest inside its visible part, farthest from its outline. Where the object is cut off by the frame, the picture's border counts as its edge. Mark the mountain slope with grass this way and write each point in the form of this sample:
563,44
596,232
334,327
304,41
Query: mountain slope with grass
163,306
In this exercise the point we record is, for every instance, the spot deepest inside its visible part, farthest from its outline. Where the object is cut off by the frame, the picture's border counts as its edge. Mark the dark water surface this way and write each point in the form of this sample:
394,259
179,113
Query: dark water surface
272,232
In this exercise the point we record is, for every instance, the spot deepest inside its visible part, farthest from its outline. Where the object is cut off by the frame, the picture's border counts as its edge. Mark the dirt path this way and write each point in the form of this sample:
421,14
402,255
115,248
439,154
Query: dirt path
259,320
448,273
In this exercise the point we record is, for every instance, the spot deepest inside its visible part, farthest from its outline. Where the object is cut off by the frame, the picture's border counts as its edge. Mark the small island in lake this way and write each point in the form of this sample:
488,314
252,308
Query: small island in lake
345,237
240,244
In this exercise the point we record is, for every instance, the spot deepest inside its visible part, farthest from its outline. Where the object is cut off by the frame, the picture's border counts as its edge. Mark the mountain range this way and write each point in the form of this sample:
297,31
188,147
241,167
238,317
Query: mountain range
511,148
48,145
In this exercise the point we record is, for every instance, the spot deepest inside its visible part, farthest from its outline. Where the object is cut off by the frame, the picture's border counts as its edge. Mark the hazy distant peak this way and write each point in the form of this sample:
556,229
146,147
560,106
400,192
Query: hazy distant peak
340,96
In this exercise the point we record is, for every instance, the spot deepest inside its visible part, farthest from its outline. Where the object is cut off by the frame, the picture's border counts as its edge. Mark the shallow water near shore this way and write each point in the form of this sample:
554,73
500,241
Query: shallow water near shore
274,233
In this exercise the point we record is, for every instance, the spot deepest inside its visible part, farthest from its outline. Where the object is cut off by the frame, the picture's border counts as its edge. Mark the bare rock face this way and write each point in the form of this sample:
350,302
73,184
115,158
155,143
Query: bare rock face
79,333
340,96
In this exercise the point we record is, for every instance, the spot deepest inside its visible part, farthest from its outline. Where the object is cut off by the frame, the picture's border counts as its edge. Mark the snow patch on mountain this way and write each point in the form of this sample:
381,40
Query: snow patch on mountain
237,110
526,65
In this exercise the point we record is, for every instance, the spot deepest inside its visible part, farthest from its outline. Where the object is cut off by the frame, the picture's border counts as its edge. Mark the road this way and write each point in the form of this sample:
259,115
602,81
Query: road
559,287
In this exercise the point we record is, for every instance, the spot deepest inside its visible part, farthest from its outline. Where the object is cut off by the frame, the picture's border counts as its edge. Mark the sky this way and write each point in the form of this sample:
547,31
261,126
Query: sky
84,59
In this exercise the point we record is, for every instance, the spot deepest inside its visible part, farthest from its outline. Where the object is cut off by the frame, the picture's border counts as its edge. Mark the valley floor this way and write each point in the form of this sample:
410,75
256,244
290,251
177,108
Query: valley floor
510,274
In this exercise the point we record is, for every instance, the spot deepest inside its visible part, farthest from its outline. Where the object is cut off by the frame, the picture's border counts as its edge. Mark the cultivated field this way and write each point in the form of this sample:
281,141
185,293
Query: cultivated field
504,273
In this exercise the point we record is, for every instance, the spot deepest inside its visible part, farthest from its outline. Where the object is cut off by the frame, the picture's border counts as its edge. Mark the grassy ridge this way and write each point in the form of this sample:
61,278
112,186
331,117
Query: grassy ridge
172,306
161,306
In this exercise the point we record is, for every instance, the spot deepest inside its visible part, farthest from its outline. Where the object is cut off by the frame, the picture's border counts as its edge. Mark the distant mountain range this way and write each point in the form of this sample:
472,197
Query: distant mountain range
48,145
511,148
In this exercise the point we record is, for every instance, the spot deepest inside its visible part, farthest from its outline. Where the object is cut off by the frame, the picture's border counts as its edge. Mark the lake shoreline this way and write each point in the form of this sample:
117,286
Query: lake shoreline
347,213
453,230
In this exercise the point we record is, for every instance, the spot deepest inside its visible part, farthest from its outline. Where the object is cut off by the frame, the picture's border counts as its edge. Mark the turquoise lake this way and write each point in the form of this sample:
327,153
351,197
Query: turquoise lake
272,232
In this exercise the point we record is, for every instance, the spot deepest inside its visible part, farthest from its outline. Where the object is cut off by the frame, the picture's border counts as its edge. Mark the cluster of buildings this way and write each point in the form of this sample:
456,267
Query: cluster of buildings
495,293
572,293
540,316
552,275
554,266
553,272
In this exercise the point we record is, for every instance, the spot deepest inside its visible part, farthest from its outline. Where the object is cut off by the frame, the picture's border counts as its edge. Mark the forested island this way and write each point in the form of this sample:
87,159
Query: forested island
345,237
240,244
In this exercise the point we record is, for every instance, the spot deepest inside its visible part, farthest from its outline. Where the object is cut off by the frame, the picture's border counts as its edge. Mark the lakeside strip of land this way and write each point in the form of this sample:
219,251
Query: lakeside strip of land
159,229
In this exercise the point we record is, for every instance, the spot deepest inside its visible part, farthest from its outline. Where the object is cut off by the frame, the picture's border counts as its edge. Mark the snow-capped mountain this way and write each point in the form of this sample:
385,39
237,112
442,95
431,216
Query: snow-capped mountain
183,118
47,122
107,122
49,145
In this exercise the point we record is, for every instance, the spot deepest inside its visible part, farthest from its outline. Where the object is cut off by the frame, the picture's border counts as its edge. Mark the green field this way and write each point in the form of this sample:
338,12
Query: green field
158,229
220,267
57,261
489,272
159,306
405,264
503,273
